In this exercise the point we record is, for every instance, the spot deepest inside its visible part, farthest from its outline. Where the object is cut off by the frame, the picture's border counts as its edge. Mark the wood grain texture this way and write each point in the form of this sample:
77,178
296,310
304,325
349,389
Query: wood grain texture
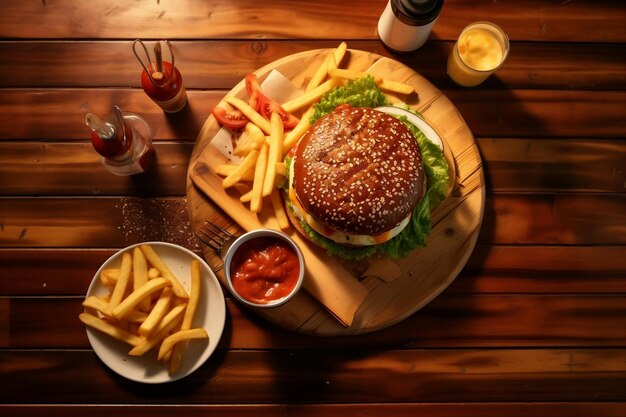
530,65
534,323
525,20
491,269
449,321
474,375
406,409
59,114
511,165
538,219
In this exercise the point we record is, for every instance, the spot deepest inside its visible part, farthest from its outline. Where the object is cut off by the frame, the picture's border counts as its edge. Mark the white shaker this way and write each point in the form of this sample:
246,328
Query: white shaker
405,25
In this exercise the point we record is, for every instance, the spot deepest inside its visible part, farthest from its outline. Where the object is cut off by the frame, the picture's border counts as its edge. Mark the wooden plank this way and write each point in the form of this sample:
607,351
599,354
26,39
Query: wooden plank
542,113
544,165
61,168
554,219
338,376
477,320
95,222
490,270
60,114
543,269
222,64
511,165
525,20
53,114
509,219
509,409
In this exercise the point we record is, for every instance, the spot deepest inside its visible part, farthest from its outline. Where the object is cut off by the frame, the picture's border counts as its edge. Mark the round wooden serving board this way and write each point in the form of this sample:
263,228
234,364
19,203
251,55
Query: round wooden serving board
387,291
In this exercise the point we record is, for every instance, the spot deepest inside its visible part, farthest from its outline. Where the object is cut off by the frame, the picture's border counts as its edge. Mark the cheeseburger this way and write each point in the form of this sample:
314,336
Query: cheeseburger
355,177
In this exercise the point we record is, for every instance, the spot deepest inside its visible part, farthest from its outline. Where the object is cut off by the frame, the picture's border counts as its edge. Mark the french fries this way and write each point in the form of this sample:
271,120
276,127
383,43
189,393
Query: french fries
250,113
245,168
140,275
110,329
264,144
256,196
158,263
190,312
121,284
169,315
384,84
294,135
310,97
275,153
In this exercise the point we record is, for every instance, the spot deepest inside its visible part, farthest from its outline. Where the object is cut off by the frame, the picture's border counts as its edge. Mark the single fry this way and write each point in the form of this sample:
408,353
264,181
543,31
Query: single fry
190,312
246,166
138,296
293,136
250,113
157,313
309,97
275,153
347,74
279,210
320,74
281,169
194,294
384,84
395,87
111,330
256,197
246,197
170,341
339,53
168,323
99,304
140,275
332,60
121,284
109,276
226,169
158,263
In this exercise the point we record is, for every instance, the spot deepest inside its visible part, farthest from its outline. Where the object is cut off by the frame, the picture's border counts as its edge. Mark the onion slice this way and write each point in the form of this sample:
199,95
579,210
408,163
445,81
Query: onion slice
416,120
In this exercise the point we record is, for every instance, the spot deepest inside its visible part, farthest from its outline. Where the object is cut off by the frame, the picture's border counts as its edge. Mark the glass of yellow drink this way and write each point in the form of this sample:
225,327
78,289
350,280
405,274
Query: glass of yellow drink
481,49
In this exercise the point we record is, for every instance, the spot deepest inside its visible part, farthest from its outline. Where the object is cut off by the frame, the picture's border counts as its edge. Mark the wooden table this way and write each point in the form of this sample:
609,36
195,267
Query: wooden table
536,321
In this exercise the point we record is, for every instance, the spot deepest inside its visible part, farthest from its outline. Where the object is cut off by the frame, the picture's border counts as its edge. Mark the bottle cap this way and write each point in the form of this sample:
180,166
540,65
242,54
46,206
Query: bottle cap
416,12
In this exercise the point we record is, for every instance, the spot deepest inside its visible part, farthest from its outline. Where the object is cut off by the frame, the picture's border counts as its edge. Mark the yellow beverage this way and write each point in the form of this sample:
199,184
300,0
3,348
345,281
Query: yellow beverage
480,50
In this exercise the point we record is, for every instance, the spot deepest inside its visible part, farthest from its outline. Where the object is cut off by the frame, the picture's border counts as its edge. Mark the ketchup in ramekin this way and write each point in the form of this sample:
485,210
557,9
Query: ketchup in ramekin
264,268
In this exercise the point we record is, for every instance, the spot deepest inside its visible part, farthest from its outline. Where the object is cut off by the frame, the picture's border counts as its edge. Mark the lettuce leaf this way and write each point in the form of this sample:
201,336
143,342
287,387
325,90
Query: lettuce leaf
364,92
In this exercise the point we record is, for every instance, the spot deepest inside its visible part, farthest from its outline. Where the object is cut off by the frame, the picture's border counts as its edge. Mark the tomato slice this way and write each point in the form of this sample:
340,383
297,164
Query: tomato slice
267,106
254,91
233,119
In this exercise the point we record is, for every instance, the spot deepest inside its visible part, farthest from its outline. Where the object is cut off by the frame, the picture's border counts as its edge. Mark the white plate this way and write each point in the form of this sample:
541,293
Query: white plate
211,315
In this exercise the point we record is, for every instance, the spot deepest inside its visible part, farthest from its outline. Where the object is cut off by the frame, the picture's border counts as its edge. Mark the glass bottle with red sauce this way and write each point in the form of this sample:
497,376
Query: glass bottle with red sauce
123,140
161,80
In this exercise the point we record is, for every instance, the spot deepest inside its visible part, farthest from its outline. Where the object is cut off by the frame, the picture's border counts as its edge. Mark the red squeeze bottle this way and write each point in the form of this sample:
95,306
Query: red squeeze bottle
162,81
124,142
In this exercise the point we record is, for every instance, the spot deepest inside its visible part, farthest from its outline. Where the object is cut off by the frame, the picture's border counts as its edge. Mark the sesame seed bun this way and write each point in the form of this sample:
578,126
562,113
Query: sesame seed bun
358,171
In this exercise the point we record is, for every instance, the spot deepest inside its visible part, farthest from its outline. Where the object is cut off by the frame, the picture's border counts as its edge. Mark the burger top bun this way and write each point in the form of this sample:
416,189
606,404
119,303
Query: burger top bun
359,171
